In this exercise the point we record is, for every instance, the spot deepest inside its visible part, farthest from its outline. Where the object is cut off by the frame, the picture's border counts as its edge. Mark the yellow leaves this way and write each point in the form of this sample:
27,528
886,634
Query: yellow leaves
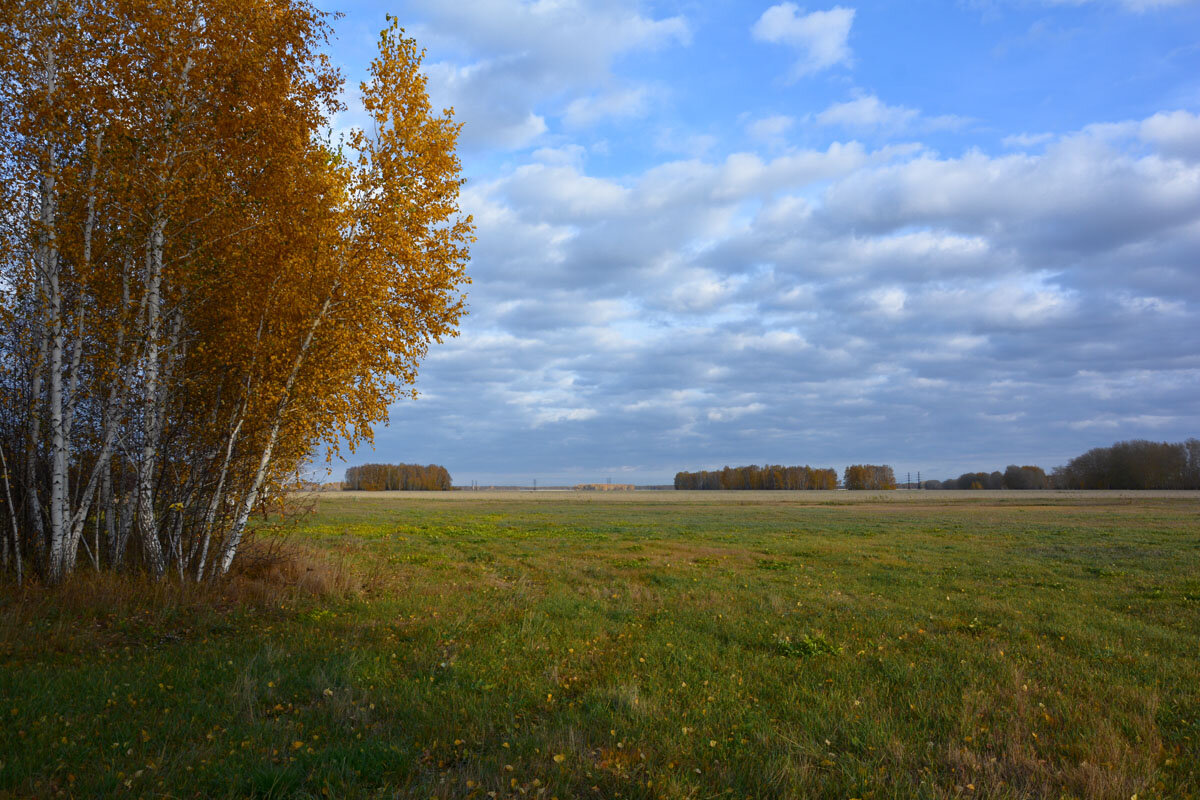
559,758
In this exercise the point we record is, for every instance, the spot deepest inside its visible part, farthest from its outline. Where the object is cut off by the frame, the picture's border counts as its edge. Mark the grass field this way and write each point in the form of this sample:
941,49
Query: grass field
710,645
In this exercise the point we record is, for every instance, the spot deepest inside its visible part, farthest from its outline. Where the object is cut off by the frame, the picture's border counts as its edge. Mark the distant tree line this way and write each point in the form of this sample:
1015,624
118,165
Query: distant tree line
756,477
397,477
1026,477
1136,464
869,476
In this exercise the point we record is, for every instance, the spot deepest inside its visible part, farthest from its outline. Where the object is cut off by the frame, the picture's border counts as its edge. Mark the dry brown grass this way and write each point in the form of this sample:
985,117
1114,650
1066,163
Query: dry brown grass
266,573
270,570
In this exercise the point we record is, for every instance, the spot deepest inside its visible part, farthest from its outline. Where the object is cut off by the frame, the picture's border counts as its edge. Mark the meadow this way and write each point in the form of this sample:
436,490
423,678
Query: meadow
635,645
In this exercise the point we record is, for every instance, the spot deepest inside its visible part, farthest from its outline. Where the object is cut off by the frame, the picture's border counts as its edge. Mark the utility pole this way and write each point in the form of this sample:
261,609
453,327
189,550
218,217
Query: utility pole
918,479
535,484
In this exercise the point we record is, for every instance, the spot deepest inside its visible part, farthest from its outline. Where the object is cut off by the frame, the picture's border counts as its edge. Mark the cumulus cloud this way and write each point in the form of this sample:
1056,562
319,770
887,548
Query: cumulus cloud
843,302
1176,133
518,57
820,38
816,296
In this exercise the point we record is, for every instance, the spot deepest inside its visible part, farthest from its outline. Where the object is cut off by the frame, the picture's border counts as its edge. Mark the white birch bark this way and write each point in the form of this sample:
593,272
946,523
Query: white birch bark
210,515
12,514
154,391
74,521
50,267
146,523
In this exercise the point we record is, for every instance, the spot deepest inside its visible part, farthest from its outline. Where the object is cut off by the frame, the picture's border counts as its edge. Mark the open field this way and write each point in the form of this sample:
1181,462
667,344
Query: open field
838,497
648,644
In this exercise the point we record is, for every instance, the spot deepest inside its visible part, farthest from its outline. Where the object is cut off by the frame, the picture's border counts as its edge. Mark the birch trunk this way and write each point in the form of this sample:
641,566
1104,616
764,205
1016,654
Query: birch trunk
229,550
49,263
146,523
210,515
74,522
12,514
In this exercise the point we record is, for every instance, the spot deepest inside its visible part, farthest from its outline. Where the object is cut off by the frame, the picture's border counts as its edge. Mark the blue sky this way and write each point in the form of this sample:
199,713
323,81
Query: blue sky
938,235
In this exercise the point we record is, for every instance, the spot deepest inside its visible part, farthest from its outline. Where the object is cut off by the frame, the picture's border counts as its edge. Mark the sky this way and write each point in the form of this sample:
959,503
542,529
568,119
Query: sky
944,236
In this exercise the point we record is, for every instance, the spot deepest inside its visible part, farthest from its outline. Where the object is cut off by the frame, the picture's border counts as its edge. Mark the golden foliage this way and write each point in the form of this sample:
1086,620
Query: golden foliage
203,285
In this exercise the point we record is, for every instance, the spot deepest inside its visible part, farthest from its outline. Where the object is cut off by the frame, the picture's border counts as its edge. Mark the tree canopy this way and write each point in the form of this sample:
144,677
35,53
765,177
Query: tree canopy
869,476
756,477
398,477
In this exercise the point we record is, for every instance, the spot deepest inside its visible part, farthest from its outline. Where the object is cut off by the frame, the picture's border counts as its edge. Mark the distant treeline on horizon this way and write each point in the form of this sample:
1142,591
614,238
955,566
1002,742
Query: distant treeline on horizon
397,477
756,477
1136,464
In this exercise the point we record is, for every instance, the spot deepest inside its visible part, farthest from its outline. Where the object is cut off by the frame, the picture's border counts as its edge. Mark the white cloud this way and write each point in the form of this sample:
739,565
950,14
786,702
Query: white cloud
1175,133
692,145
729,413
869,113
577,37
518,57
1027,140
888,301
823,296
564,193
770,129
1112,422
568,155
477,93
820,38
586,111
547,416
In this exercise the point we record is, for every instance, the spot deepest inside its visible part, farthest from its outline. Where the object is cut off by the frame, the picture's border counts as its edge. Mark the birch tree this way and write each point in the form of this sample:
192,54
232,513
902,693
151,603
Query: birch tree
199,285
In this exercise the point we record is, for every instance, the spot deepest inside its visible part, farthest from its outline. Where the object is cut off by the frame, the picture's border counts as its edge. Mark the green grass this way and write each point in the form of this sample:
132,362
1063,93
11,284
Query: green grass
654,646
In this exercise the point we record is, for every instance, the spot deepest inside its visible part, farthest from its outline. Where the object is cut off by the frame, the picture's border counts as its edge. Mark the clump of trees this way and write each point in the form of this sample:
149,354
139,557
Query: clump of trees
197,285
1135,464
1025,477
397,477
869,476
1014,477
756,477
